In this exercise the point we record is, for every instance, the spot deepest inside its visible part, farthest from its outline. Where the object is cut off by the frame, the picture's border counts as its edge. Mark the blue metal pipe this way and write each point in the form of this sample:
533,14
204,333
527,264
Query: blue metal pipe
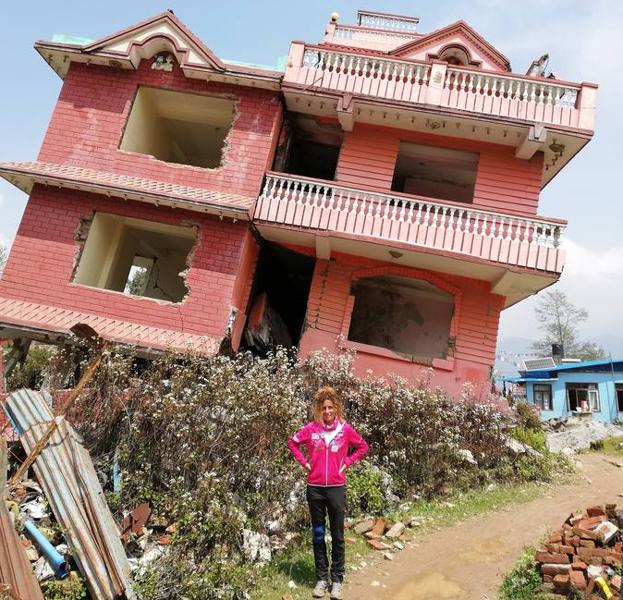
52,555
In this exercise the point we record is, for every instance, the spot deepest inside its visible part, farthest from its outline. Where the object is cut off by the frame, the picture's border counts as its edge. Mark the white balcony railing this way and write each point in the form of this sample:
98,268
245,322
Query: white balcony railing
438,84
366,75
420,222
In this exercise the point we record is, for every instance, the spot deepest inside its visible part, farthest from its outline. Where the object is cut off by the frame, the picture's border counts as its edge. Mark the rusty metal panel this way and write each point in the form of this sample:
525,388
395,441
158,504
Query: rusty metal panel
66,474
17,579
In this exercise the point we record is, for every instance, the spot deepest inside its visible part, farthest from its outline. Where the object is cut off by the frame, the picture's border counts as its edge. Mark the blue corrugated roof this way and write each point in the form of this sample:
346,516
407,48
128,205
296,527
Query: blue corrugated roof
603,364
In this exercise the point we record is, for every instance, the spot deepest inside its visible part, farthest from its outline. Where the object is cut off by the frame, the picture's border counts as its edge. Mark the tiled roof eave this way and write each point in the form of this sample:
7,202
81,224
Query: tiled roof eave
42,321
127,187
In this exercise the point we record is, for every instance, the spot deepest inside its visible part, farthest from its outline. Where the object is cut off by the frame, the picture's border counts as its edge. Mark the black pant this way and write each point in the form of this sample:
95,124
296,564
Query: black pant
332,500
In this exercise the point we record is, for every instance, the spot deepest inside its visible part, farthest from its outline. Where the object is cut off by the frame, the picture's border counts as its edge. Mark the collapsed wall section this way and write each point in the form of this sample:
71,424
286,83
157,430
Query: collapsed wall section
110,120
42,264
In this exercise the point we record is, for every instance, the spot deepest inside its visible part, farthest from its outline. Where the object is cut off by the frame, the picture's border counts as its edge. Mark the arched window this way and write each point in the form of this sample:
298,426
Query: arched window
455,55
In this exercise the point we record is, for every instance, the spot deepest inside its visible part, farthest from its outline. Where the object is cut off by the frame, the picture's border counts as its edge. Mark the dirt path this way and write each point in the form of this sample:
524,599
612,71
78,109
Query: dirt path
469,560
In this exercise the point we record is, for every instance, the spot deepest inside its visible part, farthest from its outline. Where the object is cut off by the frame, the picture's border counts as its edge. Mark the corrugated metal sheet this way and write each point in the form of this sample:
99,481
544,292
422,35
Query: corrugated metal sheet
66,474
16,576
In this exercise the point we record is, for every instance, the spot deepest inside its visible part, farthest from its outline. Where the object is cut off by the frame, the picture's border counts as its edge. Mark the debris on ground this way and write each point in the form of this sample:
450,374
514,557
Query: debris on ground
16,575
71,487
572,434
382,535
585,555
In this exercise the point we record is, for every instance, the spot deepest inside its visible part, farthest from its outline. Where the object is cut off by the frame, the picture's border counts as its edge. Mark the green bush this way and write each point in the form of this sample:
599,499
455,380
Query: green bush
71,588
365,490
534,438
34,370
528,416
203,440
524,581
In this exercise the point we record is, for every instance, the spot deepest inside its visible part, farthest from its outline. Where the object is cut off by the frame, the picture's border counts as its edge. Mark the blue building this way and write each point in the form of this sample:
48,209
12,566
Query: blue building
571,389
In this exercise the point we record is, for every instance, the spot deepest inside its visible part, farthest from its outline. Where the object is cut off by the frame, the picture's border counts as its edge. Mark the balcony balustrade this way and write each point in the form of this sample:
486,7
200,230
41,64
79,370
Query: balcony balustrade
413,221
486,93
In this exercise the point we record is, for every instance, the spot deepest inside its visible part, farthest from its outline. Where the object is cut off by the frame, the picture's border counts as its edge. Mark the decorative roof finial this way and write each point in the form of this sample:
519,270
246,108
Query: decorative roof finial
334,17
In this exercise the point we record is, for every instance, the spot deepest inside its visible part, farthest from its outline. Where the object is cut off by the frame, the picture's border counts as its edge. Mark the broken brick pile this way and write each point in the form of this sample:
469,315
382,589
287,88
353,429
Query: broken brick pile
585,554
383,535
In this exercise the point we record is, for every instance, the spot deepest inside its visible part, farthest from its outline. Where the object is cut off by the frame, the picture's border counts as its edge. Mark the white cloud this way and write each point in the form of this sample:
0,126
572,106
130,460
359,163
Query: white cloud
592,280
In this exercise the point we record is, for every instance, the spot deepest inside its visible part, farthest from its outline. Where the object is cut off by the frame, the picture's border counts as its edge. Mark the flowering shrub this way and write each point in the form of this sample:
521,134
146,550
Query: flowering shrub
204,441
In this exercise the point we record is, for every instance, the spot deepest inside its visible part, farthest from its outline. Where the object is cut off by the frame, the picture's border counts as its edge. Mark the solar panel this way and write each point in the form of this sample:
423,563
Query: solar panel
538,364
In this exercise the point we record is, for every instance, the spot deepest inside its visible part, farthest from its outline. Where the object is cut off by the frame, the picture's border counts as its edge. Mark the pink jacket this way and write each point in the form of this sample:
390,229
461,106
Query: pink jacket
327,451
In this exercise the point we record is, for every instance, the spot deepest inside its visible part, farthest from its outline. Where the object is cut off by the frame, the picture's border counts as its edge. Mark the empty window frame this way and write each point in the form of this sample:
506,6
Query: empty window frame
311,149
136,257
409,316
618,387
178,127
582,397
435,172
543,396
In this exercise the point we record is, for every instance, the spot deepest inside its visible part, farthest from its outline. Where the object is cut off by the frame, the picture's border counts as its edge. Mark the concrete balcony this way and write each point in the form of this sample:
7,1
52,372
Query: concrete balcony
503,95
531,113
519,256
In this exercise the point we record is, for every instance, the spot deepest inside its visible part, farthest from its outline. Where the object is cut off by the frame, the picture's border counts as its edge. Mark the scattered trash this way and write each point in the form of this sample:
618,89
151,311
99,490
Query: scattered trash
256,546
135,521
65,472
51,554
16,575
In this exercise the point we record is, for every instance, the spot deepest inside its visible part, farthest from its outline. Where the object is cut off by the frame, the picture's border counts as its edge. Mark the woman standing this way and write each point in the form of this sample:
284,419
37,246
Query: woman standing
327,440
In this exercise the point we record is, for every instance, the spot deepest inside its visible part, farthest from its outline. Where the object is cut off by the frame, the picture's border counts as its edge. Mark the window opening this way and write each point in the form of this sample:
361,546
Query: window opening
136,257
435,172
279,298
583,397
139,275
178,127
455,55
311,148
543,396
409,316
619,392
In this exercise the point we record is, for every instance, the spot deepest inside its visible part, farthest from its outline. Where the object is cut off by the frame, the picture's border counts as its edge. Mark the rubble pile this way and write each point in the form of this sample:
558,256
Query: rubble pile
27,504
572,434
383,535
585,554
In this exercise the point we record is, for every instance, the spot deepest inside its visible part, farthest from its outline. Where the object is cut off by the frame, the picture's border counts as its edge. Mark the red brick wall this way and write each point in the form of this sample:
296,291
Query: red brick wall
40,266
503,183
94,104
476,327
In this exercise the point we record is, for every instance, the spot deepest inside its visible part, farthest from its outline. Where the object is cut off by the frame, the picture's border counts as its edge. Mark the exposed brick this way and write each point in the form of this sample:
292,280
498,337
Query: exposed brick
41,262
548,557
577,580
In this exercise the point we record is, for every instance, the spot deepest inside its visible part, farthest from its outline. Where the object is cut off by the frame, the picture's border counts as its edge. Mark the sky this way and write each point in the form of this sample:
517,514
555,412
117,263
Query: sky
584,41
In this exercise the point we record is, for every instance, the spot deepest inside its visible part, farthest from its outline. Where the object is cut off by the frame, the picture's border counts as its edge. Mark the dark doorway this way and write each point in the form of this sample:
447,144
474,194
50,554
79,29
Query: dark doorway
619,391
279,298
310,147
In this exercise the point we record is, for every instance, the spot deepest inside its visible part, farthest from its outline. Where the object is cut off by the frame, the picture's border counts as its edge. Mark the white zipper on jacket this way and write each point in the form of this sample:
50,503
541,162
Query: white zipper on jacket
326,465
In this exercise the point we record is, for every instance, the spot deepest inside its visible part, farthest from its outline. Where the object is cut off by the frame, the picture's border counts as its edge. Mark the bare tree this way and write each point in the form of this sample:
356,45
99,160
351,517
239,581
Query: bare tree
559,319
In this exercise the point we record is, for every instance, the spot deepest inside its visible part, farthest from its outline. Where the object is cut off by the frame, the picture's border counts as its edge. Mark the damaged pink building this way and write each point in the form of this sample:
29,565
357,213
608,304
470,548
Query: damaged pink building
380,194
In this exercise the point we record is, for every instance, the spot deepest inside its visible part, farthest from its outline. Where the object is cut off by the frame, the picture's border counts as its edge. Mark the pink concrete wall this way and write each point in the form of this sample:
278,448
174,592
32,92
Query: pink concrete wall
475,324
455,39
94,104
40,266
503,183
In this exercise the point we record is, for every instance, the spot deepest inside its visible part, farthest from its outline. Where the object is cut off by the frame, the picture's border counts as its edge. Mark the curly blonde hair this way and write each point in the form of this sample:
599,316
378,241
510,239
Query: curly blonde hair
327,393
